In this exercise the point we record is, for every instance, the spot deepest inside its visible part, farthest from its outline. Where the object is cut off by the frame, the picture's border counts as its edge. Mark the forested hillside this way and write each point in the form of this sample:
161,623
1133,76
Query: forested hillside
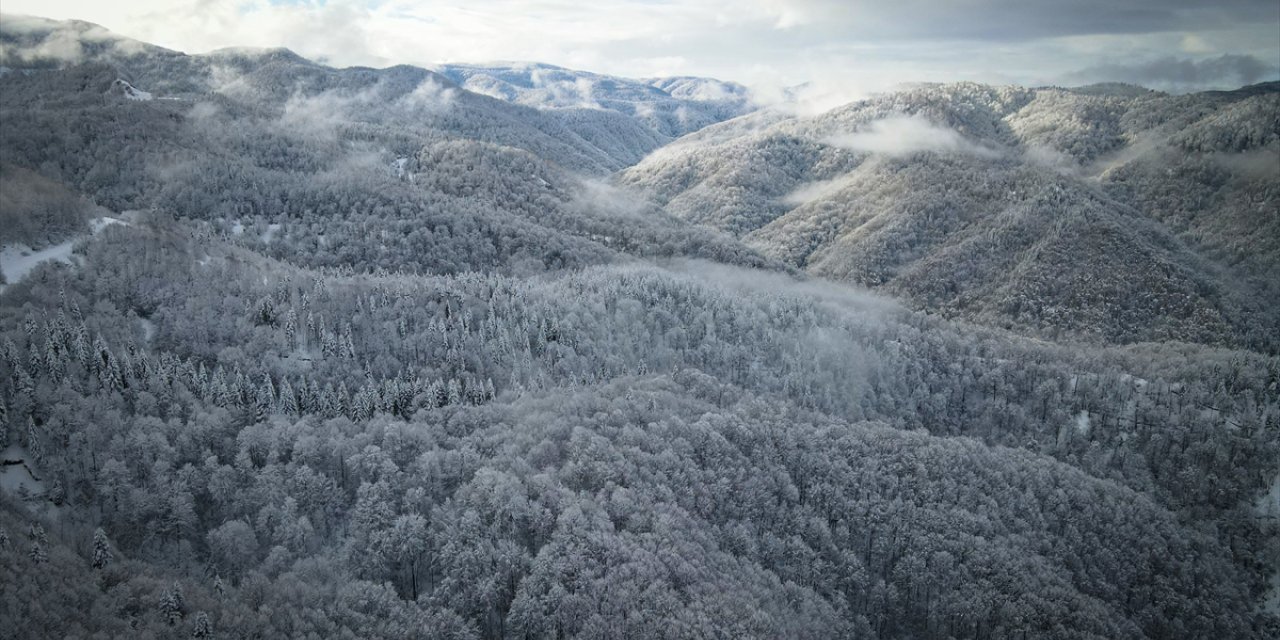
1105,212
302,352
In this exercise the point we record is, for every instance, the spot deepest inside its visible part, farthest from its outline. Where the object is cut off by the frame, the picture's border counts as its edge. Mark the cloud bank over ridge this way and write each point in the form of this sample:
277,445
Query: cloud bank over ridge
843,48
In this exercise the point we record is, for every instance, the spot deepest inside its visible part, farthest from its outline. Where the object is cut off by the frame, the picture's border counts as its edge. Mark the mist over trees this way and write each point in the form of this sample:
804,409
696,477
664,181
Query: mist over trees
1000,204
365,354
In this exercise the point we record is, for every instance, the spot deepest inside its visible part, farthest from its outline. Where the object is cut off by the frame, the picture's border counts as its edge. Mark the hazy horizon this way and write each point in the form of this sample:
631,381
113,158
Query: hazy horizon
838,51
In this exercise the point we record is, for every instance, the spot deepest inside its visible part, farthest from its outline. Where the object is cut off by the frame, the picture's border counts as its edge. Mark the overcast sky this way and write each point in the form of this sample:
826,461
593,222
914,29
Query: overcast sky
844,47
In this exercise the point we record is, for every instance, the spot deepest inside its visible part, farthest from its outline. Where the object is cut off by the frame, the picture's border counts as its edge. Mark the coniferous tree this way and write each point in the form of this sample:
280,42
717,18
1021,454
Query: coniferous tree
38,553
171,605
102,555
201,627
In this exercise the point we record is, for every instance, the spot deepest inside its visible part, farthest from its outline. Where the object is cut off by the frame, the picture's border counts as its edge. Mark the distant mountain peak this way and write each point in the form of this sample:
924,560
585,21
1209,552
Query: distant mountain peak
672,107
1114,89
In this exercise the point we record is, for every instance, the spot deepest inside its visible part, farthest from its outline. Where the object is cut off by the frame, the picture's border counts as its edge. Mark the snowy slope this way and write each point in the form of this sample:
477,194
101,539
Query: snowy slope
17,260
1112,212
131,92
418,101
671,107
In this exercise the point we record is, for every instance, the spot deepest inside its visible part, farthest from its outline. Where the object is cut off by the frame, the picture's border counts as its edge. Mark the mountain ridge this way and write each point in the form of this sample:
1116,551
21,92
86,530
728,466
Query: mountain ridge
628,125
804,190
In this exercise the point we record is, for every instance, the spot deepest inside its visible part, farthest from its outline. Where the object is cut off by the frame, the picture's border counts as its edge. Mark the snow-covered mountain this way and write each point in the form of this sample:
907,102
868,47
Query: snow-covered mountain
672,107
597,140
295,351
264,136
1112,211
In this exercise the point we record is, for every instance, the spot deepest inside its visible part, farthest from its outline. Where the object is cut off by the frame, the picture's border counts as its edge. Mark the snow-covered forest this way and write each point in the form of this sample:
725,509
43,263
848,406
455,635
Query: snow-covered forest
292,351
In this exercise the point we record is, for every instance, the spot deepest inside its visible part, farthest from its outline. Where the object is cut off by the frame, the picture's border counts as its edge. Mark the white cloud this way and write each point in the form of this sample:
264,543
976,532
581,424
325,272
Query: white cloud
429,95
1195,44
812,191
844,47
61,45
325,113
904,135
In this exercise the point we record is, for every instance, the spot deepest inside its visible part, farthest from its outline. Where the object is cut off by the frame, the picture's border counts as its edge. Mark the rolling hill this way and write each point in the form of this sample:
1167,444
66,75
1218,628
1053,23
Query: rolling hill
1112,212
395,168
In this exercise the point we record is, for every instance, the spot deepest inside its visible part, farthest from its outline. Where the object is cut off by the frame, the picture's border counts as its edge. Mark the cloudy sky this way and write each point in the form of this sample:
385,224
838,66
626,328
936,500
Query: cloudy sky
840,46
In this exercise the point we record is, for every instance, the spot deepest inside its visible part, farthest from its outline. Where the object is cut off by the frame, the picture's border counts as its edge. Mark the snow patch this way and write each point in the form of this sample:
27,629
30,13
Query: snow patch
16,473
270,234
98,224
17,260
131,92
